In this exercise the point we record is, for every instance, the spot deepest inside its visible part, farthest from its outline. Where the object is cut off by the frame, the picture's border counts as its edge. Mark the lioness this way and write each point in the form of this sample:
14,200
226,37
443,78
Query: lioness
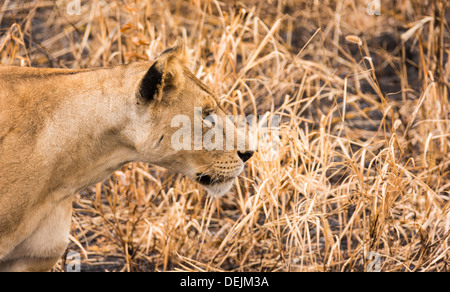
63,130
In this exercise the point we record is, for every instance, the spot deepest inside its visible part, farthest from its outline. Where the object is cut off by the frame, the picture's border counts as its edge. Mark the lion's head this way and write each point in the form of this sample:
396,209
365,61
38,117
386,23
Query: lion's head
185,129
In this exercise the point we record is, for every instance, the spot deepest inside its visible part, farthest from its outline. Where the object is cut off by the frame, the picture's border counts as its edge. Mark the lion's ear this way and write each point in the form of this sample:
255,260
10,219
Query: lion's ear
165,77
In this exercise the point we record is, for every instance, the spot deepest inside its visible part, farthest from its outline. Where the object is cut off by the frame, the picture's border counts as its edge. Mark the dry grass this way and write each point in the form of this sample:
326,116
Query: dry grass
365,136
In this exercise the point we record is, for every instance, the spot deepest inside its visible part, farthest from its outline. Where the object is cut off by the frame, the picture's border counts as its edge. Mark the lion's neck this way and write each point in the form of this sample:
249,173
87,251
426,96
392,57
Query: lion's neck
85,141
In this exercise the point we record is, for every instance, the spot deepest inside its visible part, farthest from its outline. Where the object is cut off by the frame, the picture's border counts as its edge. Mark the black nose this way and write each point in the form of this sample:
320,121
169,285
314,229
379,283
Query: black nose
245,155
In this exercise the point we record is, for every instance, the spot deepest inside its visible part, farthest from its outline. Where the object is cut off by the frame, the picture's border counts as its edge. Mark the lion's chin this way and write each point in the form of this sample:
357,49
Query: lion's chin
219,189
216,187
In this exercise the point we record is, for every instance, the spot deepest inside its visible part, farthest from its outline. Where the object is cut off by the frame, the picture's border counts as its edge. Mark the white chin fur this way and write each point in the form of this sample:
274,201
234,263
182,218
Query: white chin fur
218,190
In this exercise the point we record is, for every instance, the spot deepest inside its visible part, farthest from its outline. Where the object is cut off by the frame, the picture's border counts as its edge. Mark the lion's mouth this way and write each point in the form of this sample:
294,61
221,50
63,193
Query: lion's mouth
208,180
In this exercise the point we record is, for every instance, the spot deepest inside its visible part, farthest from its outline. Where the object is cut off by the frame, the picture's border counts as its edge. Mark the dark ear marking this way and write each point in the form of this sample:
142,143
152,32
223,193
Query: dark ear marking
151,84
165,74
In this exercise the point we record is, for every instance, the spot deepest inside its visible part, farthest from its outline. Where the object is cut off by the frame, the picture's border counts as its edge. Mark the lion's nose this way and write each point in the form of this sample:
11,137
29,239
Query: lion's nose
245,155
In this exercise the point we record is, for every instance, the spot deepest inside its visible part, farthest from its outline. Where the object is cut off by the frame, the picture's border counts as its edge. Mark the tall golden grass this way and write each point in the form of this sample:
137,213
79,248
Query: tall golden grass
364,162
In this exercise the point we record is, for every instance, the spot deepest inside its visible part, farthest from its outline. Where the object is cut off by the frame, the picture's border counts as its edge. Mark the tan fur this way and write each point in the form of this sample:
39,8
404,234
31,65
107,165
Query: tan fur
63,130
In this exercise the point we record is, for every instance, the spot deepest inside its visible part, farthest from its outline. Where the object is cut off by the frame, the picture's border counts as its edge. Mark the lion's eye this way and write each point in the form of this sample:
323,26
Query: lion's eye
207,112
209,121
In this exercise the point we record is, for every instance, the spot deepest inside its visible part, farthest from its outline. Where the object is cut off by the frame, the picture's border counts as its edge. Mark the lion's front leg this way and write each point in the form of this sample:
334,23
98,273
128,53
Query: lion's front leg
28,264
40,251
